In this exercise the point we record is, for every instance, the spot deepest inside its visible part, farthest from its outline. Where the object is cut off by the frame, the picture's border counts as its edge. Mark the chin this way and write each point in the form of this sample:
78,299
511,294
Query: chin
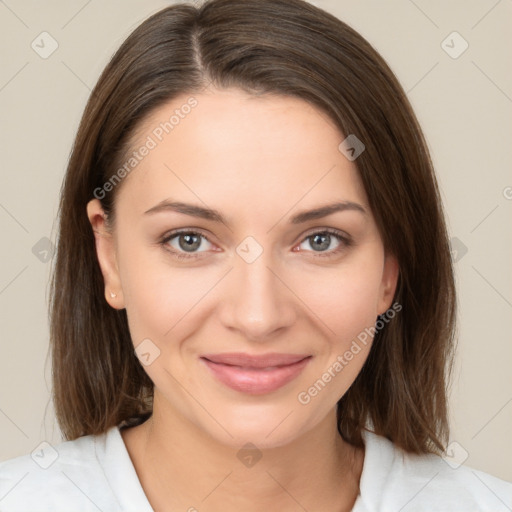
258,437
266,426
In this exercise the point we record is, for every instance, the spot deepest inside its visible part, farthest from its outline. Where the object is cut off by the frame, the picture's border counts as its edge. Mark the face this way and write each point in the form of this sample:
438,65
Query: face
240,266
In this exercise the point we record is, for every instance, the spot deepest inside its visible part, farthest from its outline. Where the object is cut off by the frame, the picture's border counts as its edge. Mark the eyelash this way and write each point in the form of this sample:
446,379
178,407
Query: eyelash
345,241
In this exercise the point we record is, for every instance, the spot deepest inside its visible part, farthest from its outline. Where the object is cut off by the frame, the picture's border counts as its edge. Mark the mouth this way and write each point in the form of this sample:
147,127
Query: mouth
255,375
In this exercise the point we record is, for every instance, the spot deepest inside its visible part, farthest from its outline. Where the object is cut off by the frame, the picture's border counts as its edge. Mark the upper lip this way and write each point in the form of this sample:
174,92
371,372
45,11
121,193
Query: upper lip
255,361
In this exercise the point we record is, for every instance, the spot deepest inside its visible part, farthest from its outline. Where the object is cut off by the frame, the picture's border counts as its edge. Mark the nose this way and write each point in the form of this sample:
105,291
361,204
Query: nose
257,302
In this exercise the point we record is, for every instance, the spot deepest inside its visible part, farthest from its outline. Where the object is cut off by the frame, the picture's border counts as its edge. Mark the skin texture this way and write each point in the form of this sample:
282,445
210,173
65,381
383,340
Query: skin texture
258,161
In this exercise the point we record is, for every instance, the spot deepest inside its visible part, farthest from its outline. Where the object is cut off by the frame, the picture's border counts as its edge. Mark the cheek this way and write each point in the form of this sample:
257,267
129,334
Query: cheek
343,298
161,297
344,302
157,295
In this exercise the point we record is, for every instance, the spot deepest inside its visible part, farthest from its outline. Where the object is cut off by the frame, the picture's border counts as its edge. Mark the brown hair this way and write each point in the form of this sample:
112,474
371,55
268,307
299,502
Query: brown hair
286,47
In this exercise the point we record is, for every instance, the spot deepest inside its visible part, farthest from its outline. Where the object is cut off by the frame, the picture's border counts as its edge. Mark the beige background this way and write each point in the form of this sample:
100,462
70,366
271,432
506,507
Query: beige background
464,105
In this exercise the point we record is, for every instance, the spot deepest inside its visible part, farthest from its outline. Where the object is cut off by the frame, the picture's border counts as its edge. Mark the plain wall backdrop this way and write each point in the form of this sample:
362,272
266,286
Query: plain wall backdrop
461,95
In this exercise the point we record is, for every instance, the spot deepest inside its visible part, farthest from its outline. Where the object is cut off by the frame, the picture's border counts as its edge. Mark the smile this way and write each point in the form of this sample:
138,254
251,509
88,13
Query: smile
255,375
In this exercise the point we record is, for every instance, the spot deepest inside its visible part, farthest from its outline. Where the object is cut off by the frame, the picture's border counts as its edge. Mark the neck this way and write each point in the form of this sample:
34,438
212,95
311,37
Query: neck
182,468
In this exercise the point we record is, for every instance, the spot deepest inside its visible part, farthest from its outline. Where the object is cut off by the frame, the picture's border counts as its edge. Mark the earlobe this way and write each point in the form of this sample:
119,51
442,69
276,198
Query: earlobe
389,282
106,254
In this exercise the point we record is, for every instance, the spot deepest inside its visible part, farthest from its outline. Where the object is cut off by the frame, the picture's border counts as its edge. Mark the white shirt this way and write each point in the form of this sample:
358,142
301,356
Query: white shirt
94,473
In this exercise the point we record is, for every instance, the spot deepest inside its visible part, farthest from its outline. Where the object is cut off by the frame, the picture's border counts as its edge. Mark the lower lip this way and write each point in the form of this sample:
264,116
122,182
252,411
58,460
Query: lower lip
256,381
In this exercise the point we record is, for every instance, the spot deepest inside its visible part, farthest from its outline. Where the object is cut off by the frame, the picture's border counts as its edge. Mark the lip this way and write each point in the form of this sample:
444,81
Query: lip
255,374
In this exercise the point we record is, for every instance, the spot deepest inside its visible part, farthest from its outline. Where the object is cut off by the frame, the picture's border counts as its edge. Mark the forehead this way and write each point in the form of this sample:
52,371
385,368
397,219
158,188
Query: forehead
226,147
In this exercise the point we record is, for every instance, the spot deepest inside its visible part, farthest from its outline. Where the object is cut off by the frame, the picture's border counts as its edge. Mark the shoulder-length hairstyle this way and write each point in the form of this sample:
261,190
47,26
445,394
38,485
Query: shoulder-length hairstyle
286,47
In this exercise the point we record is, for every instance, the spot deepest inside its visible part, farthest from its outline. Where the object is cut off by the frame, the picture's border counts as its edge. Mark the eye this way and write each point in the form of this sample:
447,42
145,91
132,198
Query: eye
185,244
322,242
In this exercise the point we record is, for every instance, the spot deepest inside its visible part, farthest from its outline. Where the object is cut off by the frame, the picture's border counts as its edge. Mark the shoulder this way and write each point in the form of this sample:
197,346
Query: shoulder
396,480
81,474
51,475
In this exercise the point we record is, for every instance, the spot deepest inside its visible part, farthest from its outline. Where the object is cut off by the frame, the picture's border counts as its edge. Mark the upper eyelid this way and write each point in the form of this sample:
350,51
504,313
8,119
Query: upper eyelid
195,231
172,235
331,231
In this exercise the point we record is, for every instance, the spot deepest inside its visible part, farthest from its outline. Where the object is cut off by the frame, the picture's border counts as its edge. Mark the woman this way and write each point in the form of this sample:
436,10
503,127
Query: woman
253,302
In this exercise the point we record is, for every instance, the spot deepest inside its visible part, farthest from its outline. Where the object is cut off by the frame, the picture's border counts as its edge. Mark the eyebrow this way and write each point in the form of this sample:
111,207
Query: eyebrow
216,216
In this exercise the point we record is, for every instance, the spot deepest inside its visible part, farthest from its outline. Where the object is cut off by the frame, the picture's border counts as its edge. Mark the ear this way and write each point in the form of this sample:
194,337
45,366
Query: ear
106,253
388,284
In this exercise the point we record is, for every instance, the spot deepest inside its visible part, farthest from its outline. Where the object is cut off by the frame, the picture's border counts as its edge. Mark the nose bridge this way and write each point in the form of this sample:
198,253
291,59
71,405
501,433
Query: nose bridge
259,304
